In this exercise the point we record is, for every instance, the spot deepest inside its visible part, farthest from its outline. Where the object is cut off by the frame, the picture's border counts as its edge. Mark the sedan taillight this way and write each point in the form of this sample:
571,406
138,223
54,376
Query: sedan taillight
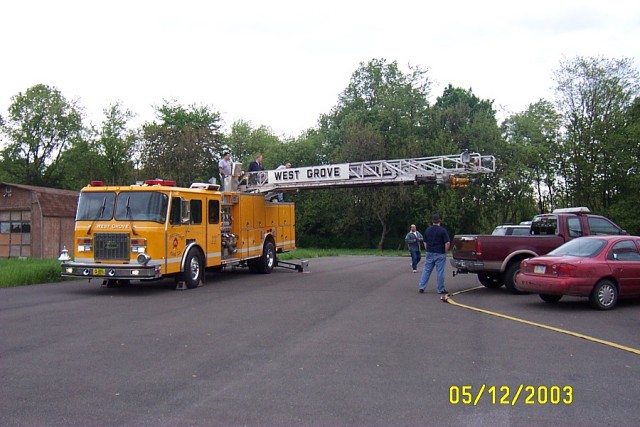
564,270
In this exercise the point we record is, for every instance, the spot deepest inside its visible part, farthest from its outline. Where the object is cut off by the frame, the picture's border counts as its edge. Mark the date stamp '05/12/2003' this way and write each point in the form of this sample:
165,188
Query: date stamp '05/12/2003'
511,395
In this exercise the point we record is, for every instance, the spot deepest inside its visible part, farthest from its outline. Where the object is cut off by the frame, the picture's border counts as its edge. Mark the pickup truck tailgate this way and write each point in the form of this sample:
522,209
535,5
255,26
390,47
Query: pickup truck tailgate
464,247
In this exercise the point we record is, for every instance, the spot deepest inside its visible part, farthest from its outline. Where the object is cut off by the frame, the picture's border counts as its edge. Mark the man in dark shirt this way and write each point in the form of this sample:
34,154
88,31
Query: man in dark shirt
436,241
255,168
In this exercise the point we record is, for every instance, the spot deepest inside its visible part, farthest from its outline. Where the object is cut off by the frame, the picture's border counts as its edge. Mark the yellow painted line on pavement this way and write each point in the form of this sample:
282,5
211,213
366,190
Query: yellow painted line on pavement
539,325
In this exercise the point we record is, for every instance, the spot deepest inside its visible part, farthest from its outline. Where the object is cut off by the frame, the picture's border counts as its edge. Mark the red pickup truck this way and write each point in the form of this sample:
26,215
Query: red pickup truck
496,259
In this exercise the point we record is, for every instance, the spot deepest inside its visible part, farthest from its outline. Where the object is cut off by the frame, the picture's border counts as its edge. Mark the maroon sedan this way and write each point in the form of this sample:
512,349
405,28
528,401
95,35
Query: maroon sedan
601,268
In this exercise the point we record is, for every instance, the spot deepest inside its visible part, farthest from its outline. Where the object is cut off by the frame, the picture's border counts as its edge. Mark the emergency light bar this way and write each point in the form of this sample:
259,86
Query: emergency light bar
159,181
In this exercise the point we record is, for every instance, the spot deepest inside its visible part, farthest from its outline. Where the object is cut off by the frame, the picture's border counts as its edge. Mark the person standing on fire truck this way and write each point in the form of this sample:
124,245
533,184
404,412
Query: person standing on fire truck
254,168
224,167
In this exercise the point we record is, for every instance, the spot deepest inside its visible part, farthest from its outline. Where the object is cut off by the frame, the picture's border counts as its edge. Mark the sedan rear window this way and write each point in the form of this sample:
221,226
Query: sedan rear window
580,247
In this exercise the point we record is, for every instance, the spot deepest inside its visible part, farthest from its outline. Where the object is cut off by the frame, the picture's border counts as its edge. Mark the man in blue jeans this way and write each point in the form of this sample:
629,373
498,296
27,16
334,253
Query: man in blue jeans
414,241
436,241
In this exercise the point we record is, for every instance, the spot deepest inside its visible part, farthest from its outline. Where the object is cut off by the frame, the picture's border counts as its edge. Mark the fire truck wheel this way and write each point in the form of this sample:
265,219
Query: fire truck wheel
193,269
266,262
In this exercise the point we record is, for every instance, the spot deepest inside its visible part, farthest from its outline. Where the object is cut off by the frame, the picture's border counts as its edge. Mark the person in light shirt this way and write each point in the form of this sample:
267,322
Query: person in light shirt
224,167
414,241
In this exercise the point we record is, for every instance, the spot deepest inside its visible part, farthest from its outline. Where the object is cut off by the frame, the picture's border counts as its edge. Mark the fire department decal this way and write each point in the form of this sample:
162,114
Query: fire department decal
175,248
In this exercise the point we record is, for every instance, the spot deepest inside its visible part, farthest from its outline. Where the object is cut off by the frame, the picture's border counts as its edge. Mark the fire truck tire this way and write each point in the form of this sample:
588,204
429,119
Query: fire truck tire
265,263
193,269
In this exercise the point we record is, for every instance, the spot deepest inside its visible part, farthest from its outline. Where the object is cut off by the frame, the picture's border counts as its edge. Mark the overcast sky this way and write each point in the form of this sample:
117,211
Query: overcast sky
283,63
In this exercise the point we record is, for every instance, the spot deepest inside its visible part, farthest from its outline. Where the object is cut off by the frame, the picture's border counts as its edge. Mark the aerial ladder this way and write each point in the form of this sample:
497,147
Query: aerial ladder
453,170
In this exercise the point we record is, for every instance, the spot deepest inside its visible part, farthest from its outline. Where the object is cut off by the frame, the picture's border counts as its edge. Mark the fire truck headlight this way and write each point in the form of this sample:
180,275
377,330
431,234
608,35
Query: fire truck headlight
143,259
69,270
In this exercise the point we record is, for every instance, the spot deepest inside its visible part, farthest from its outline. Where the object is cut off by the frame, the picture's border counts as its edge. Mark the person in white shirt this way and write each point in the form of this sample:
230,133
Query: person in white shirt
224,167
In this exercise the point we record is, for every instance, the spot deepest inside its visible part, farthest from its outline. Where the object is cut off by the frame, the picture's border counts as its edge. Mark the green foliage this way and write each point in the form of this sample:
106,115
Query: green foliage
40,126
383,99
593,95
533,137
378,116
16,272
183,145
459,121
624,204
116,143
306,150
104,154
246,143
81,164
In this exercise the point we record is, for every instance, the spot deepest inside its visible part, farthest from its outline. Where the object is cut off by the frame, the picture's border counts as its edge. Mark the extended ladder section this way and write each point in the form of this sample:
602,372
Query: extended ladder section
437,169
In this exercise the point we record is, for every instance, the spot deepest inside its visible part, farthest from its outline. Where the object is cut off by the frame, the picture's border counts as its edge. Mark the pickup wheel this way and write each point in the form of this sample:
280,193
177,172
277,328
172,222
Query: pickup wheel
510,277
491,281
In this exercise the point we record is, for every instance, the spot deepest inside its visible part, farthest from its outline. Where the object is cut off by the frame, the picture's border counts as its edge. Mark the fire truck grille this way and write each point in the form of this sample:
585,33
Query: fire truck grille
111,246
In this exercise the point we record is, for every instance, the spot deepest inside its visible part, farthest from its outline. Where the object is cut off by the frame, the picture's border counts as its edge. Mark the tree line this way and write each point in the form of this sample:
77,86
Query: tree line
581,148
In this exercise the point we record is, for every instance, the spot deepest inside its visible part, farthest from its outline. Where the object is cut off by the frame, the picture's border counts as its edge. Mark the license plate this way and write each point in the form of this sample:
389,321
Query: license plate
99,272
539,269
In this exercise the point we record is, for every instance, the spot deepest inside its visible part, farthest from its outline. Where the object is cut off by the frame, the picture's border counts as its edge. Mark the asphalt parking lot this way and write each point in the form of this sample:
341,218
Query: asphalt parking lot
350,343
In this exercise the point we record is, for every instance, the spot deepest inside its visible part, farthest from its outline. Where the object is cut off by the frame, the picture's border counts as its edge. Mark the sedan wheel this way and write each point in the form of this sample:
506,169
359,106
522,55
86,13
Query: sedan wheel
550,298
604,295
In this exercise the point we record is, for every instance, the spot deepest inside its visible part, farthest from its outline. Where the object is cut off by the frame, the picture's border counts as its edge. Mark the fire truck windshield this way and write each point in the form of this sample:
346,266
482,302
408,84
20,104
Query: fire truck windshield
95,206
142,206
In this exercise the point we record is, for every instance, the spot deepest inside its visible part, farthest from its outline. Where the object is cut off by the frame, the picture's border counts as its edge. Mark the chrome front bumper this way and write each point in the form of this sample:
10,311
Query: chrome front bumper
111,271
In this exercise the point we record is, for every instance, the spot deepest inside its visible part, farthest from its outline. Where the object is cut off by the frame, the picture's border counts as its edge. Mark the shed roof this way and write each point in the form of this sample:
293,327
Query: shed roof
53,201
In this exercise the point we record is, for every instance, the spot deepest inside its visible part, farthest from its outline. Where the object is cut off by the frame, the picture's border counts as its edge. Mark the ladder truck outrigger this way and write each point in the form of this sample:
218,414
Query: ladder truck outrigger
154,229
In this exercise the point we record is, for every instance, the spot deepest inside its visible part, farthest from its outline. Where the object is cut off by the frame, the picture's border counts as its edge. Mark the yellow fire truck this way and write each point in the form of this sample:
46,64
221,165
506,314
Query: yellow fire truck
154,229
